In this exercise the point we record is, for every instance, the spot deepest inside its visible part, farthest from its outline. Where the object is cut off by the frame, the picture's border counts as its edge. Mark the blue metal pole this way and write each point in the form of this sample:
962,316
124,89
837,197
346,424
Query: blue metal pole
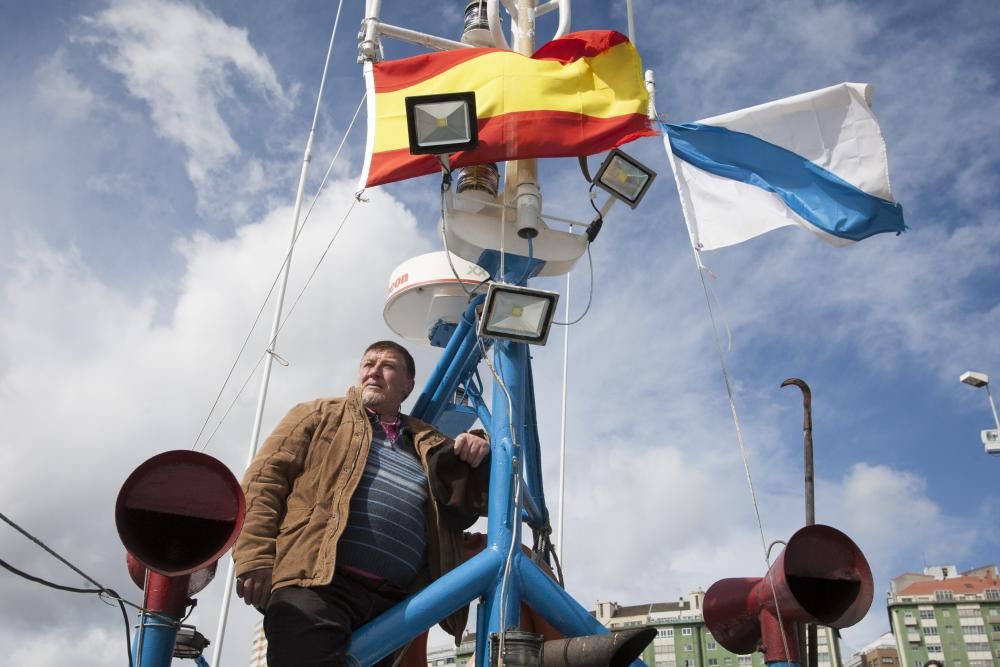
409,618
504,528
154,641
460,358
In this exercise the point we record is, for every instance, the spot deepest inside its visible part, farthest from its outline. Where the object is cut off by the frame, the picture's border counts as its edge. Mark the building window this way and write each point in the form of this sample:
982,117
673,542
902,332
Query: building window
744,660
713,662
930,630
686,632
977,647
992,594
727,661
665,632
934,648
918,663
967,612
973,630
687,647
950,629
711,646
689,663
926,613
888,661
944,595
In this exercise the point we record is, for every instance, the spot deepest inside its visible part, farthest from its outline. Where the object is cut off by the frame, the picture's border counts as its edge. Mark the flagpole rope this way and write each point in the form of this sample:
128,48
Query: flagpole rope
744,457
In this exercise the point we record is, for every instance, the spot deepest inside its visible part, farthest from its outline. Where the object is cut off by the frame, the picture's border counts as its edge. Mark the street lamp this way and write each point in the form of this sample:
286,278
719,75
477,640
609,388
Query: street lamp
990,437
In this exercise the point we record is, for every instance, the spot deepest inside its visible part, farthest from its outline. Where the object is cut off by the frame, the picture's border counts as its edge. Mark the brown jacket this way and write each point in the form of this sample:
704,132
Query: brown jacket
299,490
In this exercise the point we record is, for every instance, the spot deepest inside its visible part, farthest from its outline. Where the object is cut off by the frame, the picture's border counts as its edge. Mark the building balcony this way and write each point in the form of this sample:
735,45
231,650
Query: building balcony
912,636
911,620
993,618
995,636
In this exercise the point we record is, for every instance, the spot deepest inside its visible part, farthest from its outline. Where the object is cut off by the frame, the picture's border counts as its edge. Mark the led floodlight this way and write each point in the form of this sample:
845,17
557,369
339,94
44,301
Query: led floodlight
440,124
517,313
624,177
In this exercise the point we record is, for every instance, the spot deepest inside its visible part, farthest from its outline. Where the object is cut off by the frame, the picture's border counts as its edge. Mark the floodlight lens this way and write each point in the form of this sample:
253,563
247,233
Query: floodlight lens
624,178
440,123
519,314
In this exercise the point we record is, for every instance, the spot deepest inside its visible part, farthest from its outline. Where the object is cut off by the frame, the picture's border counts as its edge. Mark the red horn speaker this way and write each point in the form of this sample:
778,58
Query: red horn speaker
176,514
821,577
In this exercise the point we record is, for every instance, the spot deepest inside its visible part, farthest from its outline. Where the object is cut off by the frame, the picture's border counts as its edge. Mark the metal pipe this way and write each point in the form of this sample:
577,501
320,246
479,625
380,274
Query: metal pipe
631,21
993,406
276,322
496,27
416,37
562,430
394,628
812,654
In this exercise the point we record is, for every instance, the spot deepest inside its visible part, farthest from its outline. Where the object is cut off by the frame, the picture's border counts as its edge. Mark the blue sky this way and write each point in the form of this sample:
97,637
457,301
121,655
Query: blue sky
151,150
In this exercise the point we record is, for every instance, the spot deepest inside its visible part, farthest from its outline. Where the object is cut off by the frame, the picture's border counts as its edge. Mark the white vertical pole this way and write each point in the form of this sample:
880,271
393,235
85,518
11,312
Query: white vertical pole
275,326
631,21
562,438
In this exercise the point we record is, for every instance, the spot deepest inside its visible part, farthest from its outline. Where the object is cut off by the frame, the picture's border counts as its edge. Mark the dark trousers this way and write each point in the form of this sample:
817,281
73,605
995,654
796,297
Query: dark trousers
311,626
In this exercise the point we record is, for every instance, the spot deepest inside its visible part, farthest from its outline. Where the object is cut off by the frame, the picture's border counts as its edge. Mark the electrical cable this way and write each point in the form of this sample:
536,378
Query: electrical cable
590,294
516,497
100,590
445,189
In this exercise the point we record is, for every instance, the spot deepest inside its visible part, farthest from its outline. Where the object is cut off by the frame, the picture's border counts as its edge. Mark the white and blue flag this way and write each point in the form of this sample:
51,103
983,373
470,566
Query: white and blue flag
815,160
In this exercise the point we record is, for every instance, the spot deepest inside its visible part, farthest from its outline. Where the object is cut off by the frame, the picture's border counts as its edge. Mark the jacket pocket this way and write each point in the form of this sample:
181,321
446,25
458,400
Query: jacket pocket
291,558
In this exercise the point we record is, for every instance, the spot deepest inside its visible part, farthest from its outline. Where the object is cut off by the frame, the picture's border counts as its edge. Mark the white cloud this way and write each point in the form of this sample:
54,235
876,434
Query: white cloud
185,63
61,93
92,384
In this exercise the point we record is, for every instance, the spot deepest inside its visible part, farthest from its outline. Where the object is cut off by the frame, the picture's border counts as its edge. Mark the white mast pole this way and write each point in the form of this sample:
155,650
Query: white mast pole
562,437
275,326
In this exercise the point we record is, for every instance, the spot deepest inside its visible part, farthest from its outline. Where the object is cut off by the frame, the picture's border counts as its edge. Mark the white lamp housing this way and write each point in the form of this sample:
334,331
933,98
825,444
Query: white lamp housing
517,313
441,124
975,378
624,177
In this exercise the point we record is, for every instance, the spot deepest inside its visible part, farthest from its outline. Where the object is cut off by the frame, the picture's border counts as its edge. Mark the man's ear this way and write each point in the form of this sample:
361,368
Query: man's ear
409,388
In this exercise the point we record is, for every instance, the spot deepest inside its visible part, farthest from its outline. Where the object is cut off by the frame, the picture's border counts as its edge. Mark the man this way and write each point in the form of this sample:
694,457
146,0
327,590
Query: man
350,507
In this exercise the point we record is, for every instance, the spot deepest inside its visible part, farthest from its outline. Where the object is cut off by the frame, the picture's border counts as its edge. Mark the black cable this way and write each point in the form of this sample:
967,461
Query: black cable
100,592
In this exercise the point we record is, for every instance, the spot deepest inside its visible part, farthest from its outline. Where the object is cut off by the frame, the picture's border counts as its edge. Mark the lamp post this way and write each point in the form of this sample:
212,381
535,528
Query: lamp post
991,437
812,655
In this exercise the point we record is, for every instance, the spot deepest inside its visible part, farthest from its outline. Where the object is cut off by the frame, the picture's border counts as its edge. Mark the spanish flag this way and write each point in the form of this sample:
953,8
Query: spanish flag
577,95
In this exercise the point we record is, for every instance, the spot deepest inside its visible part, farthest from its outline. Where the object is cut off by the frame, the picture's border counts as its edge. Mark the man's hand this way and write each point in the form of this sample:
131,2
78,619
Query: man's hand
471,448
255,587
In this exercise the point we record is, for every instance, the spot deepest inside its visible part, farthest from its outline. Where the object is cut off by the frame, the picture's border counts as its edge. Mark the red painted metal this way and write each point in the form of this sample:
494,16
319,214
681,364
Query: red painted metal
180,511
820,577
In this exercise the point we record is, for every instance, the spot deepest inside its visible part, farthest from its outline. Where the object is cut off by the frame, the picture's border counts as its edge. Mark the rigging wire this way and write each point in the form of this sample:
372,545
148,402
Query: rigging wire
702,270
742,446
309,211
284,321
288,255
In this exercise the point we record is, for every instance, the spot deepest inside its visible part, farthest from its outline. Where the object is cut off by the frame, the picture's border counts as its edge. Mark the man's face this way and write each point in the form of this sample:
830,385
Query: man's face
383,381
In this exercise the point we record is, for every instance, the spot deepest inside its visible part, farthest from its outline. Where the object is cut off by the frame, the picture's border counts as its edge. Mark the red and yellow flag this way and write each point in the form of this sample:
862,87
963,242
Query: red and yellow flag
577,95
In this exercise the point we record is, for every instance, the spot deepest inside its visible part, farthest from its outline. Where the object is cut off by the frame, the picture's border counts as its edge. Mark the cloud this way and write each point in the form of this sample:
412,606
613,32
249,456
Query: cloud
187,65
92,383
61,93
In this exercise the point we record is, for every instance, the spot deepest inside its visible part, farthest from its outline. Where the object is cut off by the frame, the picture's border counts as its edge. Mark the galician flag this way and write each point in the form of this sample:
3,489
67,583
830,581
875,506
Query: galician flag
816,160
577,95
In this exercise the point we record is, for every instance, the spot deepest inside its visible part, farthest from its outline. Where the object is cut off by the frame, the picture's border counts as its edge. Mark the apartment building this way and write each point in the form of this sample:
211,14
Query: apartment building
946,615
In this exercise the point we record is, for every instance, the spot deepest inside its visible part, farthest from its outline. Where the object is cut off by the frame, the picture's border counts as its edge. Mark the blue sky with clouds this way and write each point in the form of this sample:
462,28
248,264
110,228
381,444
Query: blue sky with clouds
151,150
